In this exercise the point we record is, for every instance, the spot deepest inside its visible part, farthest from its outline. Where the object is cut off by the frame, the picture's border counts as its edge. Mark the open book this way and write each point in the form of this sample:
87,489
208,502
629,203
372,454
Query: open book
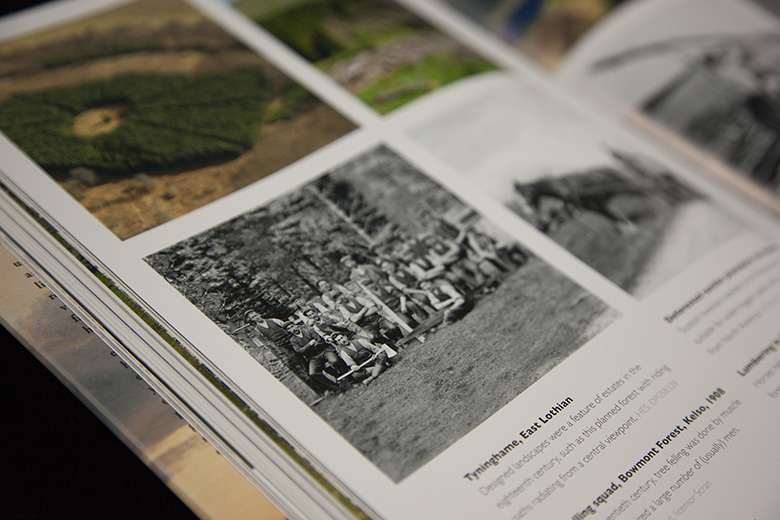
391,267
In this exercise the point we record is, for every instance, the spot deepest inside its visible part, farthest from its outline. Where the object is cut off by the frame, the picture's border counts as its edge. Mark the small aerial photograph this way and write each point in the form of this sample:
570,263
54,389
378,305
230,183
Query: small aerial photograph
381,52
147,111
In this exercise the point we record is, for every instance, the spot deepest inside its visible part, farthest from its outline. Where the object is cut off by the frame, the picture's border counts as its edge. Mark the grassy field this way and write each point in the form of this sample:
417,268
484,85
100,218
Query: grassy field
619,256
438,391
667,240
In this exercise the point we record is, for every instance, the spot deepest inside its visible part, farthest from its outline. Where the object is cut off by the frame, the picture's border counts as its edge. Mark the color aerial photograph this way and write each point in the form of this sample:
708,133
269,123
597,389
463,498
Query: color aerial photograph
399,314
147,111
381,52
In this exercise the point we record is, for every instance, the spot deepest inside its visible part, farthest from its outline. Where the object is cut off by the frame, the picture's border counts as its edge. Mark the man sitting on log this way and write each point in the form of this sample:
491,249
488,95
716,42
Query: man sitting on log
361,356
316,354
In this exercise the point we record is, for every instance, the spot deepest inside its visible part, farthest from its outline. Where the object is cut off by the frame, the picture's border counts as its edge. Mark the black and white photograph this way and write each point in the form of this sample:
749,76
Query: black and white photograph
618,210
708,71
399,314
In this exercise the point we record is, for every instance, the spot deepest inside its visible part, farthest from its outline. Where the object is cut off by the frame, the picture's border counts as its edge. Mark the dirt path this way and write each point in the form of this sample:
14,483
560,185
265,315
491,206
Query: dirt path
180,62
696,228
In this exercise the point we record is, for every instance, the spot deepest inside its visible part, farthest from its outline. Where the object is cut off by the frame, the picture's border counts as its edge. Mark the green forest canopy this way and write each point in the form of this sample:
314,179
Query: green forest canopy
171,120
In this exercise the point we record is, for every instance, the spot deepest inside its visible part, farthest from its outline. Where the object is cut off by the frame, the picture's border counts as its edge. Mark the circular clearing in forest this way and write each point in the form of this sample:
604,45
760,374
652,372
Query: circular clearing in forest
97,121
143,122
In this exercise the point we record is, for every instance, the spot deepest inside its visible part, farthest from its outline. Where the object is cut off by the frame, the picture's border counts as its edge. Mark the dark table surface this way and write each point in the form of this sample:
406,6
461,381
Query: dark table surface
58,459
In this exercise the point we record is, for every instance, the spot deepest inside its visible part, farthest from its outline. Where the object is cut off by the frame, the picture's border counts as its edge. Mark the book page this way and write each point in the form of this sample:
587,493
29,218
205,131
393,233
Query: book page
445,284
694,76
700,76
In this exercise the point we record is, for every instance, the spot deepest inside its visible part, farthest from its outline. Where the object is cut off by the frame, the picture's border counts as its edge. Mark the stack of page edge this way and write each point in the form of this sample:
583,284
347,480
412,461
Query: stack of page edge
460,235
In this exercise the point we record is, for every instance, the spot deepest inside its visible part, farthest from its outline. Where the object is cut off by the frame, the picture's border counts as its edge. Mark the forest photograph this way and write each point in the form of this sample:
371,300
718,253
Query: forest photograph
147,111
398,313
